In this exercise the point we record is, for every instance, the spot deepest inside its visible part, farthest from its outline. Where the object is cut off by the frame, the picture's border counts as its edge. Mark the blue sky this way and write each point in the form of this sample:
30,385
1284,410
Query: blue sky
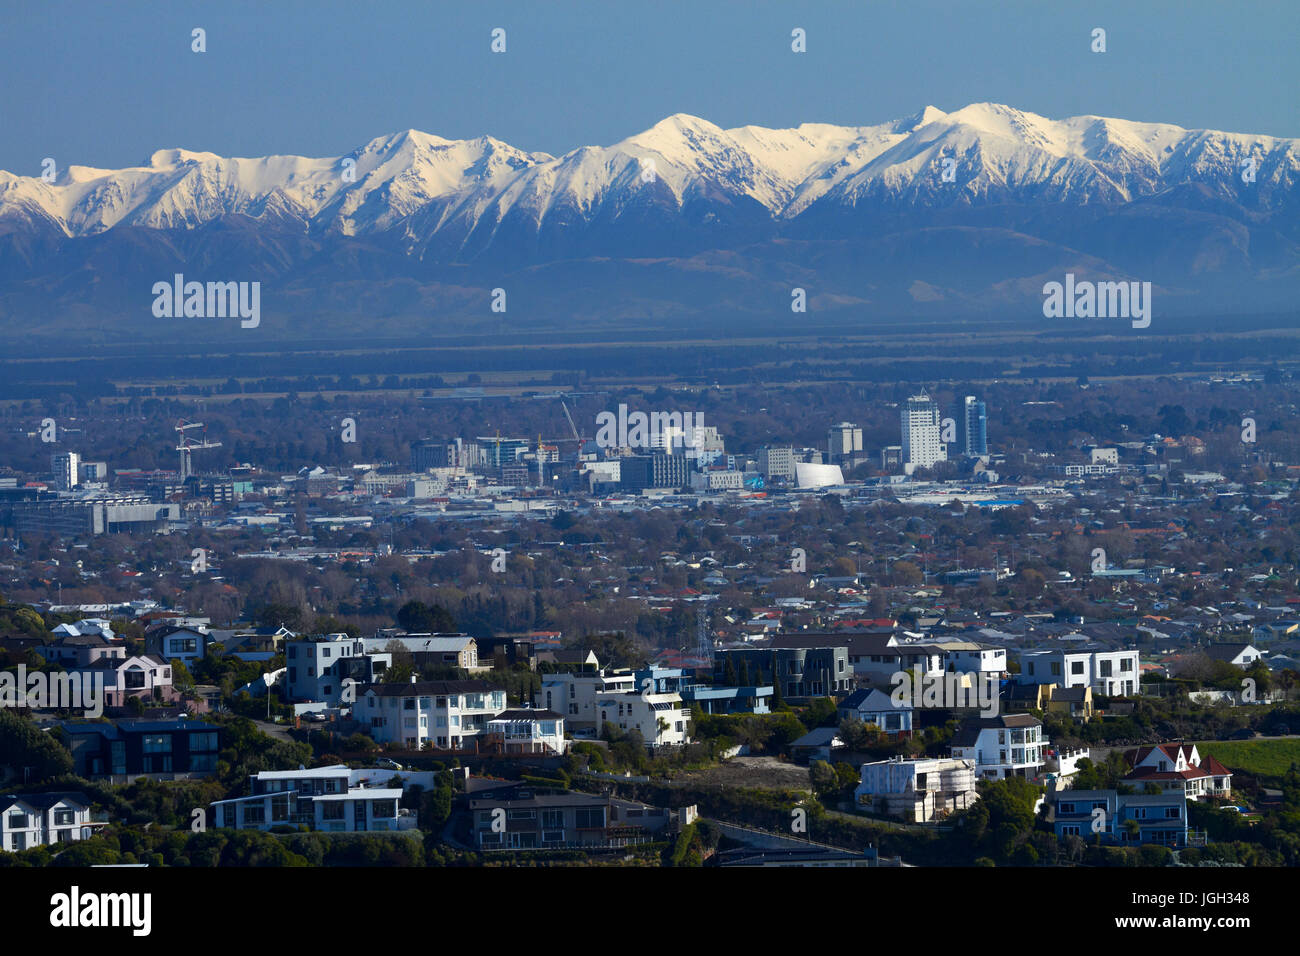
105,84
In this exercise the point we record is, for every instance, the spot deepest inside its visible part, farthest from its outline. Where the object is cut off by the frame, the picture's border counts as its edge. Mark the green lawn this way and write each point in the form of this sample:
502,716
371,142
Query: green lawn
1266,758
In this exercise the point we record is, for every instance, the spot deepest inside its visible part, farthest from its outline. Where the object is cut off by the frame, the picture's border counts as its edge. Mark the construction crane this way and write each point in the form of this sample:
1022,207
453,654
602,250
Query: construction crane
187,445
577,438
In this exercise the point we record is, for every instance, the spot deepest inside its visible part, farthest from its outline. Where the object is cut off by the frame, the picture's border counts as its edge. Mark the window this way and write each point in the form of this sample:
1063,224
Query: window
1171,813
332,810
590,818
65,818
17,820
1076,667
254,813
205,741
552,819
157,743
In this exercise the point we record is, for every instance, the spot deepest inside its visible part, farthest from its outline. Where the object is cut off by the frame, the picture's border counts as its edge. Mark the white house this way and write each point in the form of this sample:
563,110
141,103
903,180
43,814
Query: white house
329,799
185,644
441,714
917,790
662,719
575,695
971,658
527,731
1179,767
43,819
1011,745
1108,673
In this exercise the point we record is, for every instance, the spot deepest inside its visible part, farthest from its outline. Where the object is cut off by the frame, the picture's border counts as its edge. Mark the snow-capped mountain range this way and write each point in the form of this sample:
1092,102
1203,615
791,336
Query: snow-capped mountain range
957,213
425,186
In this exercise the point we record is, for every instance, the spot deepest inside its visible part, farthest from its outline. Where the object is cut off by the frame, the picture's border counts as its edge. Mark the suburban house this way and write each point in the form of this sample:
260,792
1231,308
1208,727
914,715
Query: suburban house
872,706
523,820
81,650
1004,746
439,714
971,657
429,650
917,791
185,644
505,652
1109,673
1237,654
1074,701
526,731
139,747
575,695
1125,819
326,799
1179,768
662,719
146,677
320,665
820,743
252,643
44,819
97,626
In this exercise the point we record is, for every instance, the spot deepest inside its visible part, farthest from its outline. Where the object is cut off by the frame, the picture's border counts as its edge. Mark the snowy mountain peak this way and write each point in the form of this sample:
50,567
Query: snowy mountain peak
424,185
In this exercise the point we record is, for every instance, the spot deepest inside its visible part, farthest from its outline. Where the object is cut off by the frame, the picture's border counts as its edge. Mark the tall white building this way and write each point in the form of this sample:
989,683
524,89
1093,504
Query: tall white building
922,430
66,467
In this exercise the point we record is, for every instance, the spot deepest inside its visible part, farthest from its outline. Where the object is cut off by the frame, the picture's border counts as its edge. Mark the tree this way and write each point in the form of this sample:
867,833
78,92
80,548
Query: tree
24,745
420,618
823,778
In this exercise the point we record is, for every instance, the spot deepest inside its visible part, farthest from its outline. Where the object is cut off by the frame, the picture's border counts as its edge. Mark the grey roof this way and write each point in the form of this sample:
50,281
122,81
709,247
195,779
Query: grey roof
429,688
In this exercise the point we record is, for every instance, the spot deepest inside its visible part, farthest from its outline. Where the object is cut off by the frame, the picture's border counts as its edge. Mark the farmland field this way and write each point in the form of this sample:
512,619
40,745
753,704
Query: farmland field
1265,758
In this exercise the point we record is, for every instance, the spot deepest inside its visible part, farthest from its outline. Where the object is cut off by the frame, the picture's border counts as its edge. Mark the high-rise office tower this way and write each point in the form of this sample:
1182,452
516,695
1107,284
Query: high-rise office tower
974,428
921,427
